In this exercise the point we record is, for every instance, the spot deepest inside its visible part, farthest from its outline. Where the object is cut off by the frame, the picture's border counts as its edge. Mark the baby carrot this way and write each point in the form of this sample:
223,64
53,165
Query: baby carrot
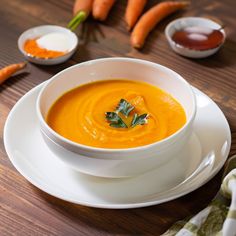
81,11
8,71
133,11
101,9
150,19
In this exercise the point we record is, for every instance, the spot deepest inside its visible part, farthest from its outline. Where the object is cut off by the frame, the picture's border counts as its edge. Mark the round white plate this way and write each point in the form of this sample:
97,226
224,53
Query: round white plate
199,161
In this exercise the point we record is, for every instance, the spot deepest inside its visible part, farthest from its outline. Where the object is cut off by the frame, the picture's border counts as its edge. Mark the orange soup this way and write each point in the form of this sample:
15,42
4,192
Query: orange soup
91,114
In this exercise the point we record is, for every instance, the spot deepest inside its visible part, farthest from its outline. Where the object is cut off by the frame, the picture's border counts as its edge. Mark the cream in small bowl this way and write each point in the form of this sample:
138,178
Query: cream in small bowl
47,44
195,37
124,161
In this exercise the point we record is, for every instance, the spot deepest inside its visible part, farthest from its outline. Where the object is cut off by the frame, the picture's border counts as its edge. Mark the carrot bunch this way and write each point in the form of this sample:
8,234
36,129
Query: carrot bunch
101,9
142,26
82,9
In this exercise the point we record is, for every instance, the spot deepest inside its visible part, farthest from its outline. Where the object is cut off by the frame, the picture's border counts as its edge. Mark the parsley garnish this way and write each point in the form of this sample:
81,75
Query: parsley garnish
125,108
115,120
139,120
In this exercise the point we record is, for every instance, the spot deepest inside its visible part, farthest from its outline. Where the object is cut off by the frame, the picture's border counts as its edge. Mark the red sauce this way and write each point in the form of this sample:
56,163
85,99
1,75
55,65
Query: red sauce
198,38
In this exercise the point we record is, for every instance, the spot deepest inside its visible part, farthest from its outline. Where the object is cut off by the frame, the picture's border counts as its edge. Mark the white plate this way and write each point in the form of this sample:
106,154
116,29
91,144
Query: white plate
199,161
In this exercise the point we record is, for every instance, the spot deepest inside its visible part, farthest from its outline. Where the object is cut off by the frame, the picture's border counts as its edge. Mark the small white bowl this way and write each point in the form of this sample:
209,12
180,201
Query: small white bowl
184,22
116,163
40,31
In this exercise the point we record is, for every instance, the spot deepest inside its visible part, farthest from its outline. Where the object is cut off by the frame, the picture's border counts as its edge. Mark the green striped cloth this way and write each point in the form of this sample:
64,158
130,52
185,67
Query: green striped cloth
217,219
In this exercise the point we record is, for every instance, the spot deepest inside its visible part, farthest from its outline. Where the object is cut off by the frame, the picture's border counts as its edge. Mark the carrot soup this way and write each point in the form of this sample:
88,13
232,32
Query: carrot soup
116,114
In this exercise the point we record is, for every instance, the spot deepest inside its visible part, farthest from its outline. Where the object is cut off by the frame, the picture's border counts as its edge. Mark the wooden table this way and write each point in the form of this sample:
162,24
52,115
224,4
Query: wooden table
25,210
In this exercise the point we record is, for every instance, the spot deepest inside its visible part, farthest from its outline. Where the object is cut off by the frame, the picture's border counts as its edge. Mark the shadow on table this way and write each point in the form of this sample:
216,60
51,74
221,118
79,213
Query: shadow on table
152,220
90,32
225,57
14,79
53,69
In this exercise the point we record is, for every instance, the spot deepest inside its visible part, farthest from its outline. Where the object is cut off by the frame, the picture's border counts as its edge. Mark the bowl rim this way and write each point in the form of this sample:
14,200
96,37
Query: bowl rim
20,45
173,23
116,150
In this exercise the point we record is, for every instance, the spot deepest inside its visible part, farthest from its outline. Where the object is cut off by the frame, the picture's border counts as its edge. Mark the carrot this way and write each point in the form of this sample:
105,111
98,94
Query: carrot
8,71
150,19
82,5
133,11
81,11
101,9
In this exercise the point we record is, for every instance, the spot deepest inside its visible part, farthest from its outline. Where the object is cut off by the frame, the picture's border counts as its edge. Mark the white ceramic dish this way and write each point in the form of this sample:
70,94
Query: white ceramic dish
116,163
196,163
184,22
46,29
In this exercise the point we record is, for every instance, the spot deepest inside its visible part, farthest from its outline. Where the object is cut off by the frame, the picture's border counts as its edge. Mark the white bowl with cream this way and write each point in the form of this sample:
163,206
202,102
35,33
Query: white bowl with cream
51,37
185,22
116,163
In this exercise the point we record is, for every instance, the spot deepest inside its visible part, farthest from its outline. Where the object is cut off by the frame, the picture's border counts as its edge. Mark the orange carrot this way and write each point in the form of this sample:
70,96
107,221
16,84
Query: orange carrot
82,5
133,11
81,11
101,9
150,19
8,71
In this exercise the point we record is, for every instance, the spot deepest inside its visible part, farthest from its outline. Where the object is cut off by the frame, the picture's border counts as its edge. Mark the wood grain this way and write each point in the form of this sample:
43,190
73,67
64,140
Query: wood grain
25,210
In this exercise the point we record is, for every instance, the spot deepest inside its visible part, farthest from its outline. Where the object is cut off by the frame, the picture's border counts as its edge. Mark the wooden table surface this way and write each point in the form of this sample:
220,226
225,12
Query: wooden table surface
24,209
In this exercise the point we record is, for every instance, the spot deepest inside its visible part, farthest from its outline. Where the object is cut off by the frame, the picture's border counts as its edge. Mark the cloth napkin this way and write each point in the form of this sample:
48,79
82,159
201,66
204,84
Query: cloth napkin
219,217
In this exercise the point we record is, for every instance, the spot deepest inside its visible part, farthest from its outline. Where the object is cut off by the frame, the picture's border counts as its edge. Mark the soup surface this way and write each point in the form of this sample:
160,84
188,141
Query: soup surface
79,114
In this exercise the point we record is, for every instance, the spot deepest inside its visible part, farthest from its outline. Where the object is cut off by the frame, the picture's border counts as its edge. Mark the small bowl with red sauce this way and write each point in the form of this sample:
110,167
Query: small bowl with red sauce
195,37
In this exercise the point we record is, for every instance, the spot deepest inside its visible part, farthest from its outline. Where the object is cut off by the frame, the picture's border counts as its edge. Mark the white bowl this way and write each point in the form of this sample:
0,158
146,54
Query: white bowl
42,30
184,22
116,162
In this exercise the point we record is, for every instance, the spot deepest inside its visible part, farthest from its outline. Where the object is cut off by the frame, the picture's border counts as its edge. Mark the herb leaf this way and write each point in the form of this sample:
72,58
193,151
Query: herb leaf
115,120
139,120
124,107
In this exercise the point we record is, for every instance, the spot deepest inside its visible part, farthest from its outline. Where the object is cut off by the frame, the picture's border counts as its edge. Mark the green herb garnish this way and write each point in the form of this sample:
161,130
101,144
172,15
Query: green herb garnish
139,120
115,120
125,108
